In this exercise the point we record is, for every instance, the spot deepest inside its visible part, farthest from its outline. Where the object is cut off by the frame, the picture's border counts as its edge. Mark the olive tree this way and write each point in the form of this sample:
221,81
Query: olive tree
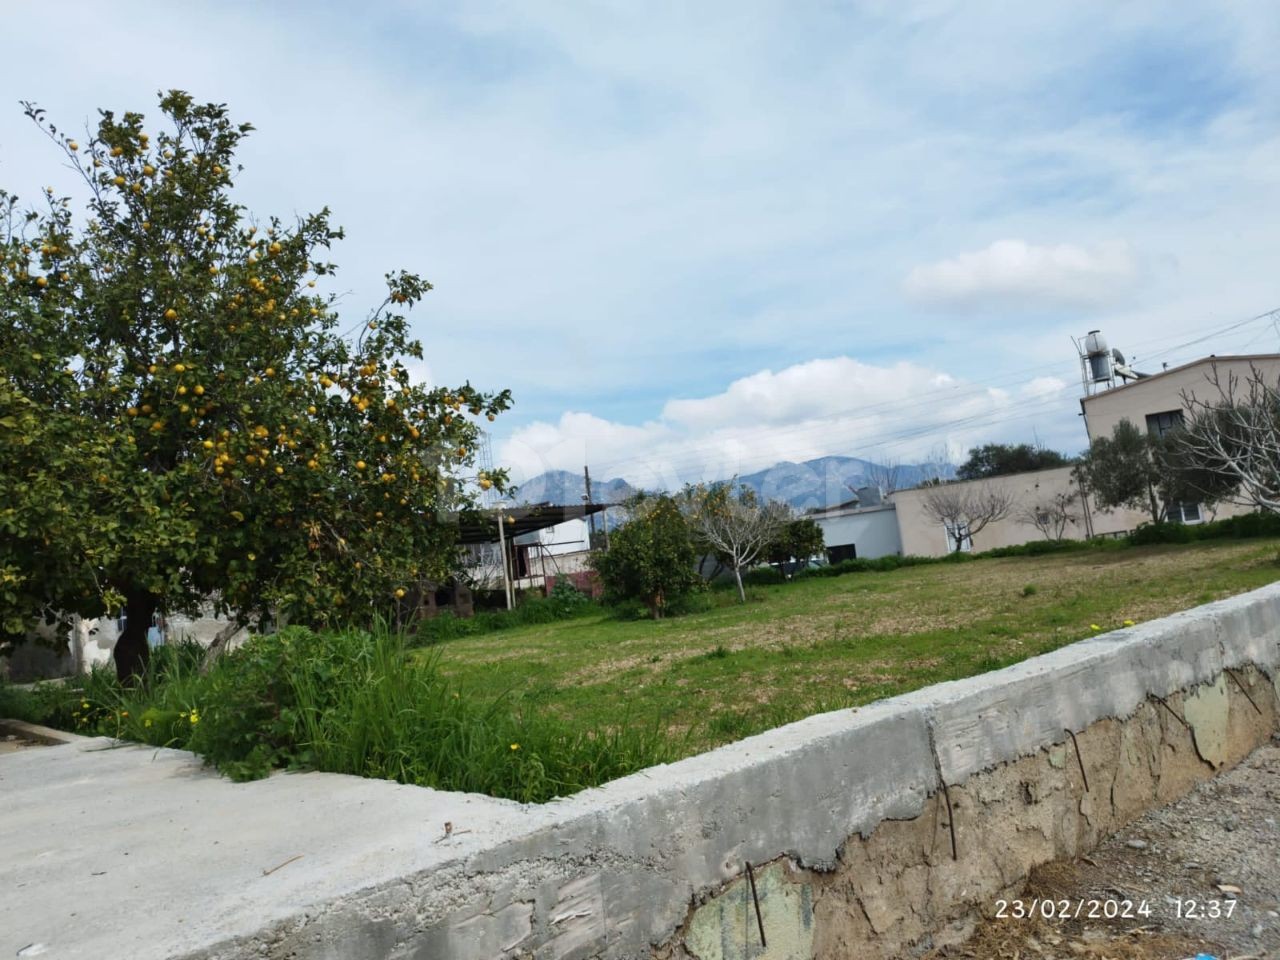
1122,471
184,418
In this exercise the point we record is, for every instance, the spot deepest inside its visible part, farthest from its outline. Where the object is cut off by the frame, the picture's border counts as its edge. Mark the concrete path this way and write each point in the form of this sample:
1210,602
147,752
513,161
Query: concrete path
135,852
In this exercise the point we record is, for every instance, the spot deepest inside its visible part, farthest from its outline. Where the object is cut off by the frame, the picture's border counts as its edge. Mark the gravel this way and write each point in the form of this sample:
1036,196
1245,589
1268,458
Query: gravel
1218,845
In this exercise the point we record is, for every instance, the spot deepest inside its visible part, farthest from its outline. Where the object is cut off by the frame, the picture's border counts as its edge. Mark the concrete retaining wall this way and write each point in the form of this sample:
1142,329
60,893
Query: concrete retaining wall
847,817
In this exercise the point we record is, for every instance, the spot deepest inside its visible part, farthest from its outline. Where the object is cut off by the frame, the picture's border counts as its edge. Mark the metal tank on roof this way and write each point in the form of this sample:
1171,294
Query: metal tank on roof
1098,356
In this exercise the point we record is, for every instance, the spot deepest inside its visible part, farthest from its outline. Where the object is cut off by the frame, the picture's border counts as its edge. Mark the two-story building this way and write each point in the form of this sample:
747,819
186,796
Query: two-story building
1156,402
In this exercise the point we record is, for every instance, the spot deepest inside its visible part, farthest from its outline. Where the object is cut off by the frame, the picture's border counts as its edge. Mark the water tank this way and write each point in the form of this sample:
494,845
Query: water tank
1095,349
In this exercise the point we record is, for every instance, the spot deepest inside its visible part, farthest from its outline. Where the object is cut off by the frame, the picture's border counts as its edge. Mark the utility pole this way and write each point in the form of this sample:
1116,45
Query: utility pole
506,572
591,517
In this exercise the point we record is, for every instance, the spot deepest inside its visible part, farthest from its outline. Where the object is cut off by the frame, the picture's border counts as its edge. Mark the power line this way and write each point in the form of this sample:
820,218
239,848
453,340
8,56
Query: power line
959,392
887,438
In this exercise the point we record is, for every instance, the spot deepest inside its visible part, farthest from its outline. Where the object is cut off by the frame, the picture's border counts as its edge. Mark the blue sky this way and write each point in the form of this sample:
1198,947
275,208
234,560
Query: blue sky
694,239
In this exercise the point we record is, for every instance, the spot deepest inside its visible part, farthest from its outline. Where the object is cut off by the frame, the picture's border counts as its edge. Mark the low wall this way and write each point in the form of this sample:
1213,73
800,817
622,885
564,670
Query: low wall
869,830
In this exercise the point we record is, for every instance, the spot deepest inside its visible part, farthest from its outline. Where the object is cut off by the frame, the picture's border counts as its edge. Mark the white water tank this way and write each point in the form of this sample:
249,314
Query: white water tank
1095,349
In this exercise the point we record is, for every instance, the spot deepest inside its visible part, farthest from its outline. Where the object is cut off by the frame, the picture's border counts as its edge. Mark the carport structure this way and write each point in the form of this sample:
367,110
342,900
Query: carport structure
503,525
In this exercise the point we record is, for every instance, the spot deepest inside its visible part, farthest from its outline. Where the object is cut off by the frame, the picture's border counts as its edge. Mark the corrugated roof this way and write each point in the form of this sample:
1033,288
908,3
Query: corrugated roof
481,526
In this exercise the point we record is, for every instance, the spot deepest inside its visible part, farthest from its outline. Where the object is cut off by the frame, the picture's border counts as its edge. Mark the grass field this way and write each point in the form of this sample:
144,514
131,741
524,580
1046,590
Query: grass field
821,644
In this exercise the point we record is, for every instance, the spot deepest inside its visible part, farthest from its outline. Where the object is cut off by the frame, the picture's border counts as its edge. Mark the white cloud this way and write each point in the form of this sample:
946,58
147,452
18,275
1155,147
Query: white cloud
1044,387
622,206
831,406
1014,270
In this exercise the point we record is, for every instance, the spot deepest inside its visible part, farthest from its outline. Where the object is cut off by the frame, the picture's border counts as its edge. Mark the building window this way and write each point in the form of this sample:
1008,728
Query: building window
959,540
845,551
1184,513
1158,424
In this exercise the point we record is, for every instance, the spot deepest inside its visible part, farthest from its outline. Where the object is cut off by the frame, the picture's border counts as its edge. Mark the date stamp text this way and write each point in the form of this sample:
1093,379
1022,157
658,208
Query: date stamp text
1179,908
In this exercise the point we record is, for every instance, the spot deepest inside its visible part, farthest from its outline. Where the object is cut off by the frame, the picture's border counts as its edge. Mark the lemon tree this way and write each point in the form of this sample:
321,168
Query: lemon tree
185,419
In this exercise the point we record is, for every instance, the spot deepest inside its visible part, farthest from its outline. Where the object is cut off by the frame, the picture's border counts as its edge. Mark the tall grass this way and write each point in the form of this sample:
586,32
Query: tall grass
347,702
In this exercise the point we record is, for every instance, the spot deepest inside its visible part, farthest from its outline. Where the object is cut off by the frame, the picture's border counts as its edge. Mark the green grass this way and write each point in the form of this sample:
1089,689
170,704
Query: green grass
533,710
344,702
824,643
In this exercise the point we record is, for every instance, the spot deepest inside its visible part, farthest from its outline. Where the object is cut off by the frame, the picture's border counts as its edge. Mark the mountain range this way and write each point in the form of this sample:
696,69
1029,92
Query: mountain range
824,482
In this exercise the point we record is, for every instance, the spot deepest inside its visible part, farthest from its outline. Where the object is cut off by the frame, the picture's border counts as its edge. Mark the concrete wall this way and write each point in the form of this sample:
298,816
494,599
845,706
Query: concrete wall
925,537
870,829
874,531
83,643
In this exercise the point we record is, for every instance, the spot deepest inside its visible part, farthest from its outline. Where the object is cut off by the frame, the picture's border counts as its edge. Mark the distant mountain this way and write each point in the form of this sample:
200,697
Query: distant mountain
564,487
828,481
823,482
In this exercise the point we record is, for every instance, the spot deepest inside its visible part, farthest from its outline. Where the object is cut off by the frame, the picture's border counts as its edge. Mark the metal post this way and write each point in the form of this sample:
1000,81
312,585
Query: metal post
591,517
506,573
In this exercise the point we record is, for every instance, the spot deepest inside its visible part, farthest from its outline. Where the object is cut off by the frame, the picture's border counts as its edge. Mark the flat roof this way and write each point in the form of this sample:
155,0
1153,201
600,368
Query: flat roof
845,510
1228,358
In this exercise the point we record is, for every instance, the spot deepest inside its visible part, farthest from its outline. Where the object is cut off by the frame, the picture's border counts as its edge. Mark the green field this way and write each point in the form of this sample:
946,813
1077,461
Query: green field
820,644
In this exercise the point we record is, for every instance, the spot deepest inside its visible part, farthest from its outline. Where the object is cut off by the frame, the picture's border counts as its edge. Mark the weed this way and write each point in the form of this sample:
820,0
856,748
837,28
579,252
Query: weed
347,702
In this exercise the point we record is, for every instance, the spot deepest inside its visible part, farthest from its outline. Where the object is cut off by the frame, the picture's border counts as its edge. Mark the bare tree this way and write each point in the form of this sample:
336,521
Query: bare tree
887,476
965,510
734,524
1051,517
1229,448
935,470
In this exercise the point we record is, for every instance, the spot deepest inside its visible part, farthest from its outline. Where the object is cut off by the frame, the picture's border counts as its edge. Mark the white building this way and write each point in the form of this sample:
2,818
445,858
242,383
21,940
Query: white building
865,527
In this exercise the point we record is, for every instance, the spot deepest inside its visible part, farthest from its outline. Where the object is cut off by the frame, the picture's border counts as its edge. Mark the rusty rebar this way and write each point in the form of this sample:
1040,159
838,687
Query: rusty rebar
1232,674
1173,713
951,821
751,876
1079,761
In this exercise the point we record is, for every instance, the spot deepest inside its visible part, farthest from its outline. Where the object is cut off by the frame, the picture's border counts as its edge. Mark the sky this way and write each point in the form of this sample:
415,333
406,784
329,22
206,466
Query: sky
696,239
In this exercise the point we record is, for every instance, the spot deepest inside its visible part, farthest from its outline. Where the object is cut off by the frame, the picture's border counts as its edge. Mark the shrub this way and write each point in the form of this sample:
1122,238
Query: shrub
761,577
1161,533
651,558
566,600
564,603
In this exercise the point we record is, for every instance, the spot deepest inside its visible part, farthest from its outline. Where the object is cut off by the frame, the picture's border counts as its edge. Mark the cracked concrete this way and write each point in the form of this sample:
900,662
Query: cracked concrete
850,806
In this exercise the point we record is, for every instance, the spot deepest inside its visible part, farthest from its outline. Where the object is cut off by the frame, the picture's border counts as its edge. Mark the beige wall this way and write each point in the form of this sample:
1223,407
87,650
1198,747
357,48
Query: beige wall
1164,391
924,536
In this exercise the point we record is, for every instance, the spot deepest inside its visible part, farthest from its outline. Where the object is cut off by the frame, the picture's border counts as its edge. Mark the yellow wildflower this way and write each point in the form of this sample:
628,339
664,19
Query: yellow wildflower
1094,626
194,718
515,746
1128,623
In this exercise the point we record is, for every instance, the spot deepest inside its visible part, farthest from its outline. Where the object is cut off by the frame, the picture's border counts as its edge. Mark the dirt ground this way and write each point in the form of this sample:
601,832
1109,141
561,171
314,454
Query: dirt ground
1218,846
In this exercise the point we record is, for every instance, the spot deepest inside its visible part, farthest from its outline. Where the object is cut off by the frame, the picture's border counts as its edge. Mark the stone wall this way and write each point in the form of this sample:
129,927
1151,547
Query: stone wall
869,830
